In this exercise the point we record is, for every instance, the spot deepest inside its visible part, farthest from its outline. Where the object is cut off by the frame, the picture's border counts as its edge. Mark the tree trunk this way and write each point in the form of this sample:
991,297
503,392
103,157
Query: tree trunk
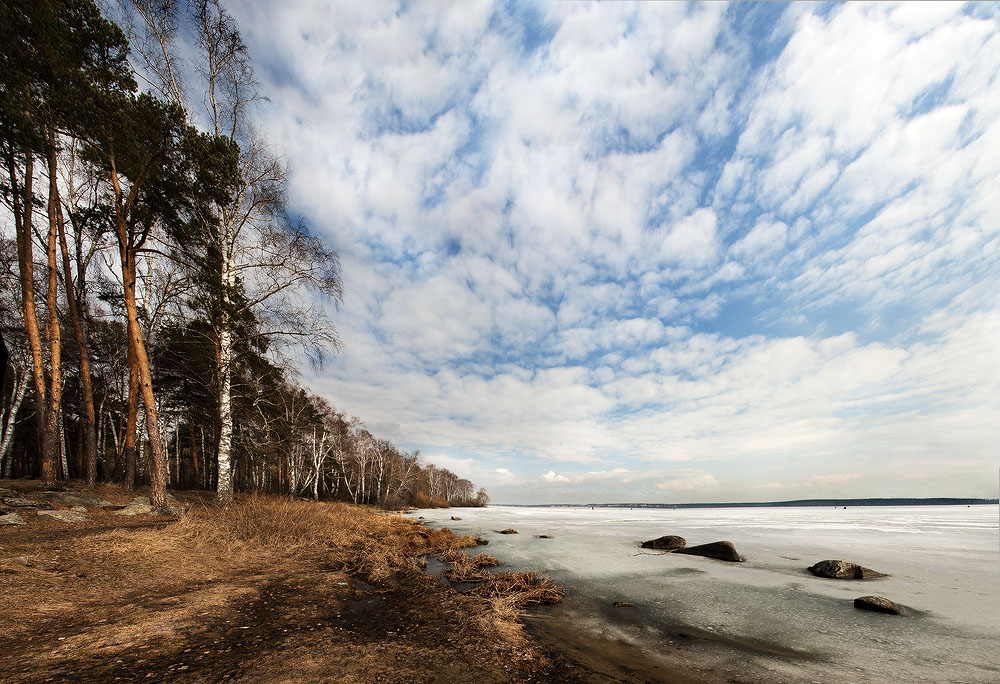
194,450
23,203
131,457
10,419
224,491
157,469
90,416
51,438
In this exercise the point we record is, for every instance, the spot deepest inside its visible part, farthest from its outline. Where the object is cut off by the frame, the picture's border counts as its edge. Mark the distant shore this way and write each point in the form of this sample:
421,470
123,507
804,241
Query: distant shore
797,503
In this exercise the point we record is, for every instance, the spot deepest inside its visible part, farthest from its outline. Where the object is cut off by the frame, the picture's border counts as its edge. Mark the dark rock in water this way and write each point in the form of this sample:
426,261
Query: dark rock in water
721,550
667,542
455,517
509,530
624,604
481,542
21,502
544,536
879,604
838,569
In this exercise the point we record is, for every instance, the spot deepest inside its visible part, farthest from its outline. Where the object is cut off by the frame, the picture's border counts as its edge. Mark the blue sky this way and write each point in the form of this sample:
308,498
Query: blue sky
657,251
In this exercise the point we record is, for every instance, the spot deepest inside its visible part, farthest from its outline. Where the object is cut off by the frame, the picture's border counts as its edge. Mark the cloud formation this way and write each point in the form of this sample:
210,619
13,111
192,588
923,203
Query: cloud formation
656,251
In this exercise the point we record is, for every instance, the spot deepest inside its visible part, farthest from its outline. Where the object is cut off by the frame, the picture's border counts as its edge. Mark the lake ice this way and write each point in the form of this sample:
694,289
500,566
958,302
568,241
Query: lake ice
769,617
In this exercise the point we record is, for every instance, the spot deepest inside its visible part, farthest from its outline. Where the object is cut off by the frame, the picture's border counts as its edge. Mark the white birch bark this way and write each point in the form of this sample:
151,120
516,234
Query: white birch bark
18,390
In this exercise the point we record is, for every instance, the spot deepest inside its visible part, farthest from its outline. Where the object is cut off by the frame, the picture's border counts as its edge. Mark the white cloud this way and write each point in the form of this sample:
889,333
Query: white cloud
692,240
552,256
687,480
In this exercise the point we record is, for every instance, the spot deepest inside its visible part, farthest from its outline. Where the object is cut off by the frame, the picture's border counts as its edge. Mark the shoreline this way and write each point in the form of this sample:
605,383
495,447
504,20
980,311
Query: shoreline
260,592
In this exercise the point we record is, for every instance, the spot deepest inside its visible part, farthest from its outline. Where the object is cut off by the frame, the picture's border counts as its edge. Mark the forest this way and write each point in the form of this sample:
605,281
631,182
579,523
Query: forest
158,298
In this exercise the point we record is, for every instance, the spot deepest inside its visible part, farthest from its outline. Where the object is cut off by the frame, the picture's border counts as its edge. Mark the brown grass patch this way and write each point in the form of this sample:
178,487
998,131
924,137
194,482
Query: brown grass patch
259,586
466,568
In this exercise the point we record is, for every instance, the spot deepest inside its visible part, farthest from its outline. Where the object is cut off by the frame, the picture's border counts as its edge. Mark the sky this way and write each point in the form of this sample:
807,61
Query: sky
655,252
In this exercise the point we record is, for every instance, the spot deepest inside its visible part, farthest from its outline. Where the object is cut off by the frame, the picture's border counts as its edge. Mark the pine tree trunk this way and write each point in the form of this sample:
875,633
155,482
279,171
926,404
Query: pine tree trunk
157,469
90,416
23,204
131,457
51,438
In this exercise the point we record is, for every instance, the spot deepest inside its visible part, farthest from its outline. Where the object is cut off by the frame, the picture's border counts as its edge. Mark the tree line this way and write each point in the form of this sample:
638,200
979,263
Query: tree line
156,290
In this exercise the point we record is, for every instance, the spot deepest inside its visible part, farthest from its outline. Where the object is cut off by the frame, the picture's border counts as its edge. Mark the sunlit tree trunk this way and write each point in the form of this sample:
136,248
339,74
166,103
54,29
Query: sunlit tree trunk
51,438
131,421
23,202
73,299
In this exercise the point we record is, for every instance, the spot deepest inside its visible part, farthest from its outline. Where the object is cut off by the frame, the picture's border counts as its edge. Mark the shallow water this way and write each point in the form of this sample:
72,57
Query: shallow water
769,615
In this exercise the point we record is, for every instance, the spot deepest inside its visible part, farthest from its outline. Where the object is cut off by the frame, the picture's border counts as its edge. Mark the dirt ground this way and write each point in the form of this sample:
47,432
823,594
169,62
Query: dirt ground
327,593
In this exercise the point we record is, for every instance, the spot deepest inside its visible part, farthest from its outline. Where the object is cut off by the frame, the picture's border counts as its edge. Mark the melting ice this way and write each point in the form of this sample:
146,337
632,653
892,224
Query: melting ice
777,621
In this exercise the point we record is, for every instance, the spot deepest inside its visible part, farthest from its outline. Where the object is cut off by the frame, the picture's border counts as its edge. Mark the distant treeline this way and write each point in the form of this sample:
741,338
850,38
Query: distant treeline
933,501
156,293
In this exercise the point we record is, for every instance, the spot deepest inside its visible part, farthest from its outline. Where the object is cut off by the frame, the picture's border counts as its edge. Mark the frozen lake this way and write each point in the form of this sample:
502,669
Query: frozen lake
769,617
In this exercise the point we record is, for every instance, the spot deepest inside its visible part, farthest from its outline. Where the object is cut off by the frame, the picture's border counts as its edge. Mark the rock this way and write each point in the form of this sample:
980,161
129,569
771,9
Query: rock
72,499
20,502
481,542
721,550
174,510
135,509
455,517
879,604
509,530
11,519
624,604
668,542
838,569
65,516
544,536
141,500
79,509
18,561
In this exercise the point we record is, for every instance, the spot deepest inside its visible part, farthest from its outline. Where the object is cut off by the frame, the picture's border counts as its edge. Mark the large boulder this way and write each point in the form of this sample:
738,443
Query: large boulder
838,569
721,550
64,516
21,502
879,604
11,519
175,510
667,542
135,509
71,499
509,530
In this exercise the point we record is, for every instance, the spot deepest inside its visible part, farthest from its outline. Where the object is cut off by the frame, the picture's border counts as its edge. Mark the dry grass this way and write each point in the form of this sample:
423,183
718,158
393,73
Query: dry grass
502,596
523,587
107,590
466,568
